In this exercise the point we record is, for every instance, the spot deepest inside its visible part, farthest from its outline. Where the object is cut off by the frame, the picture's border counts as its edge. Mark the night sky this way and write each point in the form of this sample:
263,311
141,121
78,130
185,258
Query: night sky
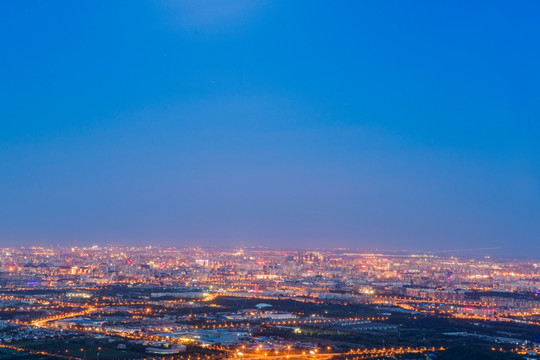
363,124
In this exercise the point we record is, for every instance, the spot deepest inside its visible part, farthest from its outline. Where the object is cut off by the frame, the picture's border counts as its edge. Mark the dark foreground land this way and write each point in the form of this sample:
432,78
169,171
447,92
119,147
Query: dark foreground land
317,331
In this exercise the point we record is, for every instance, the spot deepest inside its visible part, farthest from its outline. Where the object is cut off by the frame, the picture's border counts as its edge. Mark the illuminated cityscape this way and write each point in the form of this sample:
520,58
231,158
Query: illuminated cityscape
269,180
253,303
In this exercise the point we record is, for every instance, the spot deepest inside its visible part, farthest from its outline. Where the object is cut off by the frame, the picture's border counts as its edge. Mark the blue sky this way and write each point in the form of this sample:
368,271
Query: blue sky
363,124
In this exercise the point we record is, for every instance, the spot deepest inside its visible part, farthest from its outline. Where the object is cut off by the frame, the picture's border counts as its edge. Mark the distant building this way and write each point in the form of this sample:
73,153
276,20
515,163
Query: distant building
166,351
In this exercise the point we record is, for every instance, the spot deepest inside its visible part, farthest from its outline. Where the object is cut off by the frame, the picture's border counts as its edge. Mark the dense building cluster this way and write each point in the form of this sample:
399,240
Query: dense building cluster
231,303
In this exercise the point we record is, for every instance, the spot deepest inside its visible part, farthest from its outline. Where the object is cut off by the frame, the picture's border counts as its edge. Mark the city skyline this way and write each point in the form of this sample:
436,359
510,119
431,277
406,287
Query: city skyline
269,180
111,302
370,125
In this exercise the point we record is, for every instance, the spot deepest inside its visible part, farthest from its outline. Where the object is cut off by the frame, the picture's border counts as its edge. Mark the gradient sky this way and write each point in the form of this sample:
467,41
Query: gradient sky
362,124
